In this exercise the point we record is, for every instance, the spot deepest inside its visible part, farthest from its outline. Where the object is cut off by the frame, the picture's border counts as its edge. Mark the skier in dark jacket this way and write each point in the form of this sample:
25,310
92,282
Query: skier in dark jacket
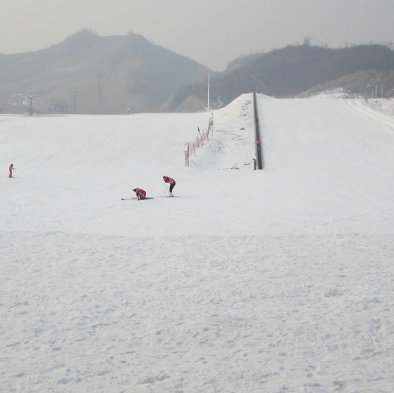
172,183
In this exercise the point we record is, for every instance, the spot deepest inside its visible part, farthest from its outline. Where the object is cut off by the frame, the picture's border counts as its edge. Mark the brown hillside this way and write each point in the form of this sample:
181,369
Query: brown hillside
360,84
294,70
91,74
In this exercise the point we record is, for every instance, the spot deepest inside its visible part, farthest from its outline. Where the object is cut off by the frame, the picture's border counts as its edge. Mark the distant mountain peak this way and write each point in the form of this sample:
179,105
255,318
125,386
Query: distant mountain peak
84,37
87,73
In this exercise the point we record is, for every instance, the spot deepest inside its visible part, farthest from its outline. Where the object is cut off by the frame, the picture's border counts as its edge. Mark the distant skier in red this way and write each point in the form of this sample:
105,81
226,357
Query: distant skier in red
11,168
140,193
171,181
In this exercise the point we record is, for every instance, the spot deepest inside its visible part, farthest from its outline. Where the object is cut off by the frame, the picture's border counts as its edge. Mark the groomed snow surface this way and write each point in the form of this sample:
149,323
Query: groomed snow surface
278,280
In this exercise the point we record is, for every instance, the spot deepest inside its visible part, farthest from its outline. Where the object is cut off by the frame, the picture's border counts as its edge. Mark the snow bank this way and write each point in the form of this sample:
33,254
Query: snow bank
254,281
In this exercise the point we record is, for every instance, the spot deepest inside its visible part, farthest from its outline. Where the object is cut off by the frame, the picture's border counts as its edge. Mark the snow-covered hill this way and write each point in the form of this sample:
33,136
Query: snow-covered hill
260,281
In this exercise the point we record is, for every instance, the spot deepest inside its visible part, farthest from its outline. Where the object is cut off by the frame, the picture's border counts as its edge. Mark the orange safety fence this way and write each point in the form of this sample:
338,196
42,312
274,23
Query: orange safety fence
200,139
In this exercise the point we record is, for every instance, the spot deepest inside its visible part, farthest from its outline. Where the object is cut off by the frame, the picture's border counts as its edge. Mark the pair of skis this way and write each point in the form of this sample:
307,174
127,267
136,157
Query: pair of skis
130,199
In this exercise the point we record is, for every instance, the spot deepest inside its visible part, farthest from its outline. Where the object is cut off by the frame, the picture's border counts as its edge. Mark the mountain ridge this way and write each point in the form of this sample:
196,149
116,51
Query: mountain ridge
90,74
96,74
294,70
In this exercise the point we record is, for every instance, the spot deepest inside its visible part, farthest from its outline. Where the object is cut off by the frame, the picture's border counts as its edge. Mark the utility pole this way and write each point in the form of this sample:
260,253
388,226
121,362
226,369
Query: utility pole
208,89
31,106
99,75
75,95
29,98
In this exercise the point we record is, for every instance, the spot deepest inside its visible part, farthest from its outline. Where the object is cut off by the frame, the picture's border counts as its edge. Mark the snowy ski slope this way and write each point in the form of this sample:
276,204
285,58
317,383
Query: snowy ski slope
251,281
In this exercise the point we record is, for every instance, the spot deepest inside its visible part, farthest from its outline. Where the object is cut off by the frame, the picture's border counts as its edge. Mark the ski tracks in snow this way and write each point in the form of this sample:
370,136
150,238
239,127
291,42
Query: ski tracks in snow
361,107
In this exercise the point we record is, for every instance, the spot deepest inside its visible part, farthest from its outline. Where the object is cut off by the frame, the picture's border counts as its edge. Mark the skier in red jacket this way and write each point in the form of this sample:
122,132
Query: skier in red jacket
171,181
11,168
140,193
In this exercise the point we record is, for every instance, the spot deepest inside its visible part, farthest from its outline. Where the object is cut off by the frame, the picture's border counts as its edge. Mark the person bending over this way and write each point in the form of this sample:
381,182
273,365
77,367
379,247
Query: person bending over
140,193
172,183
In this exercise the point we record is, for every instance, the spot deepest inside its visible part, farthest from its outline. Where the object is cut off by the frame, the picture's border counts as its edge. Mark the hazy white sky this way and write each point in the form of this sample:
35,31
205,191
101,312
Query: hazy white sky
212,32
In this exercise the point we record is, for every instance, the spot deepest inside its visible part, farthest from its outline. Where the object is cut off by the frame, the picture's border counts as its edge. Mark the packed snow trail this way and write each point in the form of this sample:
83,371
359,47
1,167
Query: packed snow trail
328,170
328,163
257,281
